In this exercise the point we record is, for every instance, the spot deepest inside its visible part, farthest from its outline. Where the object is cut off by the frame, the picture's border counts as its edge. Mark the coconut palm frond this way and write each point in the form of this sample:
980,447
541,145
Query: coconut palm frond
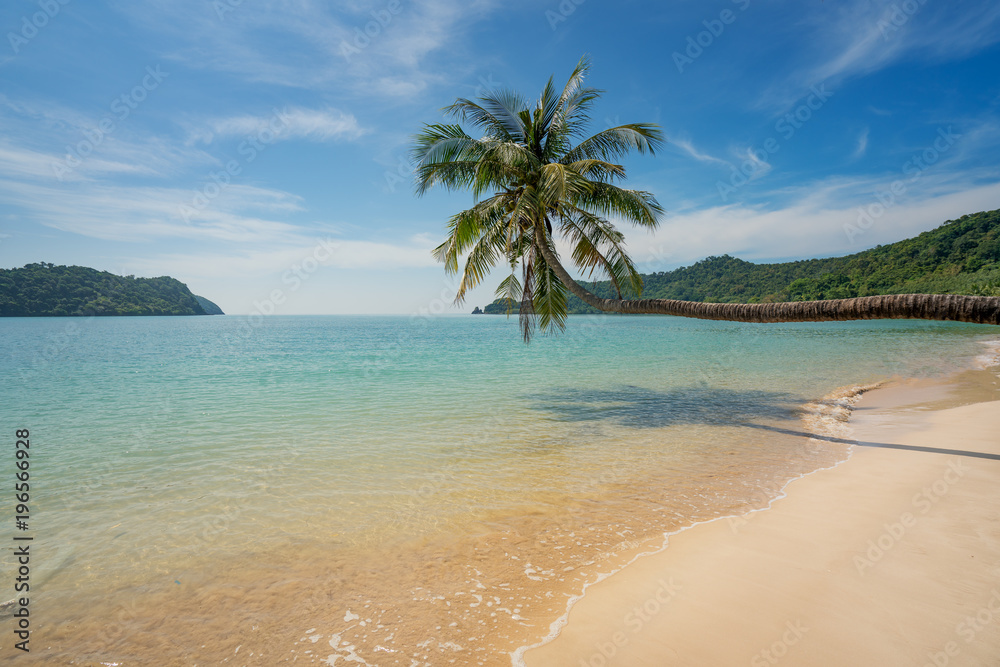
530,173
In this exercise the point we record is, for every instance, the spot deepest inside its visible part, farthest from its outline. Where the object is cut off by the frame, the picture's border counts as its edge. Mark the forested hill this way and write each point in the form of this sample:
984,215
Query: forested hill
49,290
959,257
209,307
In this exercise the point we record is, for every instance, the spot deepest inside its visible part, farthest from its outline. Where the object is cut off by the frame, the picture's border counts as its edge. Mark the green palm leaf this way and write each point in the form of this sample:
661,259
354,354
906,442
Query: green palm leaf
527,160
531,173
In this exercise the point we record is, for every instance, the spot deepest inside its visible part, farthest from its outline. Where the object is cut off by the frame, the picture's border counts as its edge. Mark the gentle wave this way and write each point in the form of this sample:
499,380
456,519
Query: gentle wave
446,476
826,418
989,358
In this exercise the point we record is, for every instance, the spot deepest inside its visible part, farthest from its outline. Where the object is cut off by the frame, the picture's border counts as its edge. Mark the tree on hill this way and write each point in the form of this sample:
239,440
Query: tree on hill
39,290
960,257
542,176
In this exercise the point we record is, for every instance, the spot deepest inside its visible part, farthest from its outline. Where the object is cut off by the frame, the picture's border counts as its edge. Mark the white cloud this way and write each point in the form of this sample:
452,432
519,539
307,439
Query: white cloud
312,45
334,251
862,144
121,213
285,124
980,139
46,140
689,148
760,167
390,86
20,163
818,218
859,37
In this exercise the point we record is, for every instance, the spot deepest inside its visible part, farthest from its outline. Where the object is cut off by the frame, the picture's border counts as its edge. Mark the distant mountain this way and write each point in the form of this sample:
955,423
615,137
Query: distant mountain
959,257
39,290
209,307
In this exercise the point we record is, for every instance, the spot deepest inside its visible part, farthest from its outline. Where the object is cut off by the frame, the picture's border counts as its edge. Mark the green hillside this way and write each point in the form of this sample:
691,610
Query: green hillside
48,290
208,306
959,257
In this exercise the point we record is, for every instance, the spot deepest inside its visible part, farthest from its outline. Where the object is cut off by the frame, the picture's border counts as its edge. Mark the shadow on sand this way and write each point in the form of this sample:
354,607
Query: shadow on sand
639,407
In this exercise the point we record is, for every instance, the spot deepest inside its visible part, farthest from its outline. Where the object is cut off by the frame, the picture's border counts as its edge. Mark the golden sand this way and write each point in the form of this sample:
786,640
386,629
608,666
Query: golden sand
891,558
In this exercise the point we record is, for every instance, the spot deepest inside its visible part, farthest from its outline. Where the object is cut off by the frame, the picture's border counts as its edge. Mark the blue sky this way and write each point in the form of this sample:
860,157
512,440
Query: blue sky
257,149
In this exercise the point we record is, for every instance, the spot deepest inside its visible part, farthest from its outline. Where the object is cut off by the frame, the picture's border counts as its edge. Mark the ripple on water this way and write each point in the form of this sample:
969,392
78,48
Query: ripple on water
215,501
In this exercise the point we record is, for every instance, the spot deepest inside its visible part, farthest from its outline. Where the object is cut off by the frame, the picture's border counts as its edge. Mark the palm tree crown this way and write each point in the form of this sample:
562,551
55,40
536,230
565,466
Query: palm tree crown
533,172
543,176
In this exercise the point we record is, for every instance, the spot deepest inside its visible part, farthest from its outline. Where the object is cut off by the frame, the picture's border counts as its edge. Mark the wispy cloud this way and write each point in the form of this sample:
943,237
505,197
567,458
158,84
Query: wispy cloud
687,147
285,124
813,218
860,37
20,163
311,45
121,213
862,144
250,226
47,140
343,254
759,166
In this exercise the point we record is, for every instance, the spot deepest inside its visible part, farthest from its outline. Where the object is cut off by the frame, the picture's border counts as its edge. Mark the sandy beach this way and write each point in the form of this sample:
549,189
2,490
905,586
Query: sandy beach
890,558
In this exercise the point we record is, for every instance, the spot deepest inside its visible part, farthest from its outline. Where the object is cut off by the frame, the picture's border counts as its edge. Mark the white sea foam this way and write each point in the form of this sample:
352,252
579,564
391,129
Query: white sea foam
454,449
827,418
991,357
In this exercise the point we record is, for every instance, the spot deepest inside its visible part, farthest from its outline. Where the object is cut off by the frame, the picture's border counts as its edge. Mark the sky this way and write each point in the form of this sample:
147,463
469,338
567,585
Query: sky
258,150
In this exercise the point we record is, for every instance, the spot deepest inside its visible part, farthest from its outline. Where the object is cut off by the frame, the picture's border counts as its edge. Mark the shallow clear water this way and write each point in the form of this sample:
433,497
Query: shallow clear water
200,484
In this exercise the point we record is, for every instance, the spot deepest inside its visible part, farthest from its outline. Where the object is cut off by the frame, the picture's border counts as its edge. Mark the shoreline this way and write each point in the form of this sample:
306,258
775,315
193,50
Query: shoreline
644,614
618,474
822,415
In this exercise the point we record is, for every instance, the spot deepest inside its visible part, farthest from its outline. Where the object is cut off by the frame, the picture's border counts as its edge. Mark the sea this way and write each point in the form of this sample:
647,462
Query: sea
415,491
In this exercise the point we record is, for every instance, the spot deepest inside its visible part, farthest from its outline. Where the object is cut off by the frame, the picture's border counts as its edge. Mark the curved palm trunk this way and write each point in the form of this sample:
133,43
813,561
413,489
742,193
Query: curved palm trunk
975,309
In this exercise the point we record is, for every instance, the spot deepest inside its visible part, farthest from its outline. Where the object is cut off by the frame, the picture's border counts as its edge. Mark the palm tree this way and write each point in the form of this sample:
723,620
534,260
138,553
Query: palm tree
541,175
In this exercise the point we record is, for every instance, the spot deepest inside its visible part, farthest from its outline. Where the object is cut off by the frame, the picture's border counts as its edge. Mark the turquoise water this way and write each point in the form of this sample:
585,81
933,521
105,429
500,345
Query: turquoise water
181,459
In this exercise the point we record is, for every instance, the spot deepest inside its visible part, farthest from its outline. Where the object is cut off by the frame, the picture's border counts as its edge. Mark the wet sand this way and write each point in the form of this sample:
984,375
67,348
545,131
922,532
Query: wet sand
473,594
469,595
890,558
